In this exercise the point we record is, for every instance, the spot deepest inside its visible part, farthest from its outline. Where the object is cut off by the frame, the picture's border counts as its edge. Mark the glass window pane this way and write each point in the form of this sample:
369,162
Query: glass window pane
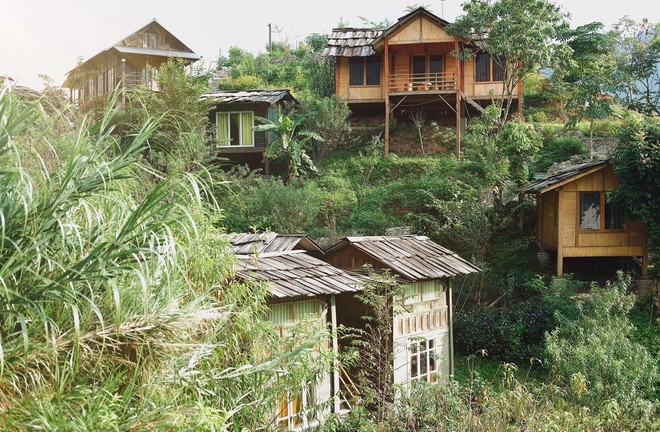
413,366
419,68
499,68
373,71
222,129
483,67
356,71
590,211
234,129
613,216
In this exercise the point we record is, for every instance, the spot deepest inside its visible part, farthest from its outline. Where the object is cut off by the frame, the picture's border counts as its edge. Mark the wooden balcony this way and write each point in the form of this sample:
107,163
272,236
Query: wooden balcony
427,83
138,79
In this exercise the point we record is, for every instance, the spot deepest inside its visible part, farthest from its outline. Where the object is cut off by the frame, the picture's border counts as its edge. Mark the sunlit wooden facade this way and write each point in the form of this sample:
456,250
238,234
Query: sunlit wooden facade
411,63
575,219
131,62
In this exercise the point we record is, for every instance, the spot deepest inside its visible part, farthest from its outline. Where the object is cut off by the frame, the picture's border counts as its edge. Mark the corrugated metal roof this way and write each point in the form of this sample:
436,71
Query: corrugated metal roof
294,273
157,52
257,243
553,180
243,96
351,42
413,257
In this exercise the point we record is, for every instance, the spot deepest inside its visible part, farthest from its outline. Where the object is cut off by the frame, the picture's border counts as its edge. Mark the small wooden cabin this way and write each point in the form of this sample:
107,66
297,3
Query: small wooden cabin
410,64
302,287
423,332
575,218
131,62
233,118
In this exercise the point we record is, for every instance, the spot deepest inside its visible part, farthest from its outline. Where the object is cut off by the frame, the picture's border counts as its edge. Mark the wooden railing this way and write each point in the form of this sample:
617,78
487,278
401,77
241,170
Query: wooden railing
348,391
430,82
137,79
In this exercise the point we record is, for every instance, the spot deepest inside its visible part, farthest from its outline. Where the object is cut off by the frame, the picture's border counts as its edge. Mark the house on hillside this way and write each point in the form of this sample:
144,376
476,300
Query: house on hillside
233,117
575,219
410,65
132,61
423,332
302,288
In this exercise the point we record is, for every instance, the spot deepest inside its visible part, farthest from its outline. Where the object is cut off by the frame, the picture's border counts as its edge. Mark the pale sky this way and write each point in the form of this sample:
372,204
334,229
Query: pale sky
48,36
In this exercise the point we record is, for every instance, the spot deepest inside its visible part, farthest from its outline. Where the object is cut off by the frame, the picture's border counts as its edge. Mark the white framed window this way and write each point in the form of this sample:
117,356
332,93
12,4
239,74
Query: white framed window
286,315
422,364
234,129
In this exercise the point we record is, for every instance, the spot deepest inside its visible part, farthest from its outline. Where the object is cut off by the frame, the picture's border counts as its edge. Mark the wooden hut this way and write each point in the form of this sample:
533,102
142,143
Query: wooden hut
575,218
233,118
132,61
422,333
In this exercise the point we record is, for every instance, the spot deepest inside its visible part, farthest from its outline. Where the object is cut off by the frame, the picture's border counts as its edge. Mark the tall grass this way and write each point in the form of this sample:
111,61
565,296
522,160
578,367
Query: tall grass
116,307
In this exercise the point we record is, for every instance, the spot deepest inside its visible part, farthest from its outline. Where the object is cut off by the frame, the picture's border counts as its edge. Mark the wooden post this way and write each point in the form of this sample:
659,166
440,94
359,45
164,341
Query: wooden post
387,98
123,80
450,319
335,350
560,237
458,84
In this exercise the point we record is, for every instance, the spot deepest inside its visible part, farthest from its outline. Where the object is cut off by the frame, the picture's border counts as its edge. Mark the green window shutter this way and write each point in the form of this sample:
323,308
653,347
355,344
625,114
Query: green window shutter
281,314
222,130
306,307
246,125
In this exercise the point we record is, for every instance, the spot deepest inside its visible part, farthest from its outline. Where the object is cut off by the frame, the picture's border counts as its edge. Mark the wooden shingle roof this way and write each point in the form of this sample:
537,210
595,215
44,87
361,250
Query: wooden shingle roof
564,176
294,274
413,257
352,42
257,243
249,96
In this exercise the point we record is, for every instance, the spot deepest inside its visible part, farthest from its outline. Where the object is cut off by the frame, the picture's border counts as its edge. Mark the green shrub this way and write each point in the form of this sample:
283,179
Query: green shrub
558,150
597,346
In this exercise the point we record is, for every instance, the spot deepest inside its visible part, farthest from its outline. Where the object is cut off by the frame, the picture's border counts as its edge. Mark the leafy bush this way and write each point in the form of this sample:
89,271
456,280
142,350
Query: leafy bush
514,334
597,346
558,150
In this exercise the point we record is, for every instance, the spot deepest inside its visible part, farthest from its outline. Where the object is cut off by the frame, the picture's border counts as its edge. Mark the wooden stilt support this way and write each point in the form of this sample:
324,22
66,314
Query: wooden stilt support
458,100
387,98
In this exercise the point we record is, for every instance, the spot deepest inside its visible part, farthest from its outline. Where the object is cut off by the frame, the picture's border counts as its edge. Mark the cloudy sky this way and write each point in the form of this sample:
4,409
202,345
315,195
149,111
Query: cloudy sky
48,36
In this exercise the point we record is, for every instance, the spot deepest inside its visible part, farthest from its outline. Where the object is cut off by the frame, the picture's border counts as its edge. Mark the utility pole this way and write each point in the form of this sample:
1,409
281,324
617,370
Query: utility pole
270,38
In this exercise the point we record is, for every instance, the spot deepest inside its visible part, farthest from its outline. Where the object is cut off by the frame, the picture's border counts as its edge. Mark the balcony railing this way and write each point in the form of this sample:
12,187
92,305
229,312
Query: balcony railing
138,79
437,82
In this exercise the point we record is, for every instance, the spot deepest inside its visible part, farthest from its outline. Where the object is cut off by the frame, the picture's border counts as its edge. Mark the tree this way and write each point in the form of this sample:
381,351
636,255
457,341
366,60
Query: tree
290,145
638,62
328,117
180,142
637,164
520,35
588,74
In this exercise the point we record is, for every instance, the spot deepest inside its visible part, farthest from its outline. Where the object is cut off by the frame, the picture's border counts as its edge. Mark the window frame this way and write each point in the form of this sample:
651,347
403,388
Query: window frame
240,116
491,68
290,418
364,61
602,211
430,356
